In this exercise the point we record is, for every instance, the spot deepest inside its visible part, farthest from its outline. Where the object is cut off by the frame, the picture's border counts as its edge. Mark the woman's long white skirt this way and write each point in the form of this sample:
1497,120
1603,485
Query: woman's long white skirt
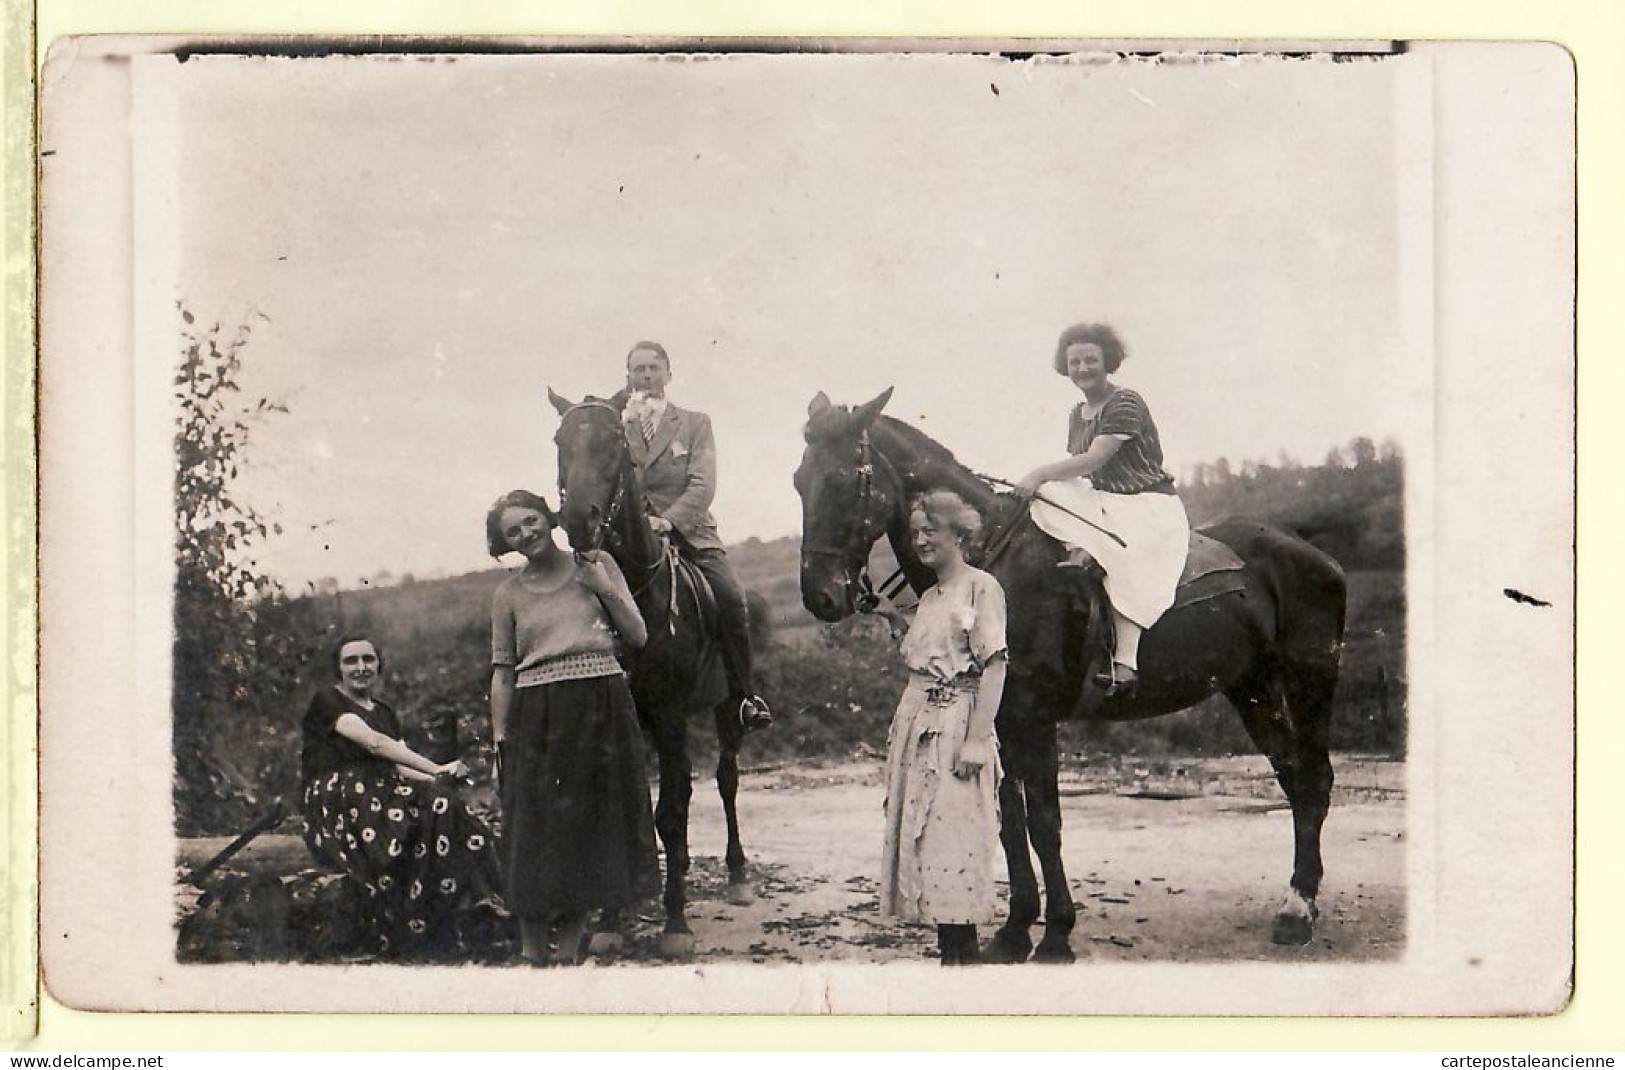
1141,577
942,833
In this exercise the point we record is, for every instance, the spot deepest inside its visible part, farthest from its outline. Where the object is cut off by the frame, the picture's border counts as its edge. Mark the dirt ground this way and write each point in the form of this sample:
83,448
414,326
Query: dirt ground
1168,860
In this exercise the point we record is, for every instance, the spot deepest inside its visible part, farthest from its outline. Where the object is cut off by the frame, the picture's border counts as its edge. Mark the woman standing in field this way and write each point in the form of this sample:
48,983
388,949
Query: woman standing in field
578,832
942,766
386,815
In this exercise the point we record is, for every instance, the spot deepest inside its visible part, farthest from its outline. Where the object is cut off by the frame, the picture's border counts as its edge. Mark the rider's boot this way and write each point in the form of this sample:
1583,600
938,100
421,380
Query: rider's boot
1086,583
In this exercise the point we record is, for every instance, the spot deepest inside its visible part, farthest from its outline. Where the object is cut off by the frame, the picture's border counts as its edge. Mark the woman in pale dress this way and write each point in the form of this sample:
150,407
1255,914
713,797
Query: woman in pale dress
942,766
1113,479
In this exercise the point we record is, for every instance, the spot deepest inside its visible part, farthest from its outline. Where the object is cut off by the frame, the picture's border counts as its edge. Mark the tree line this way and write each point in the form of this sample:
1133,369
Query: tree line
1351,506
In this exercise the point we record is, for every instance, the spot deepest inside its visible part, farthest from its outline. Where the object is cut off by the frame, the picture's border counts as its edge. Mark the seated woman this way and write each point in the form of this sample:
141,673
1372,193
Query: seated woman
1113,479
386,815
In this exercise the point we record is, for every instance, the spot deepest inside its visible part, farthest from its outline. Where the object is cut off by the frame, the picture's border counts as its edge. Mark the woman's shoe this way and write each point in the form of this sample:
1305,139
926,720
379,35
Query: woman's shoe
574,942
1124,680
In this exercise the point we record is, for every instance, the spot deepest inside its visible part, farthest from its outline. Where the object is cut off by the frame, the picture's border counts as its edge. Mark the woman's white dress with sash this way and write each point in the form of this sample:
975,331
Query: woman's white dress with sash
941,840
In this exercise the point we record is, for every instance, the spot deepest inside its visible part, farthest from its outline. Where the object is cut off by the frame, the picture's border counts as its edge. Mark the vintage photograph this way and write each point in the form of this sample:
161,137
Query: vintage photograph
779,514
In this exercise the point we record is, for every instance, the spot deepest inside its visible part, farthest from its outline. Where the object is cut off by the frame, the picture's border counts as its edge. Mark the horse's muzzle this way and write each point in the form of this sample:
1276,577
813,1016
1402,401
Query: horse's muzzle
831,593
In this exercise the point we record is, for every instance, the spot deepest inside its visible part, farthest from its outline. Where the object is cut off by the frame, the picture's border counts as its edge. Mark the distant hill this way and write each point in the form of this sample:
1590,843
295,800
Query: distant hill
405,612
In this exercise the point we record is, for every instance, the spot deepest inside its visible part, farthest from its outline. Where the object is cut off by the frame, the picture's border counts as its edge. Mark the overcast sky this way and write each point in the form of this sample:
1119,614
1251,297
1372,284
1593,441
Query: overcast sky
436,242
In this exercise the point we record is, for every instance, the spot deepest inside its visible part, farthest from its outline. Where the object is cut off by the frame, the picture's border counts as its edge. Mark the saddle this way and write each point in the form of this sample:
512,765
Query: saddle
686,595
1211,569
687,575
687,591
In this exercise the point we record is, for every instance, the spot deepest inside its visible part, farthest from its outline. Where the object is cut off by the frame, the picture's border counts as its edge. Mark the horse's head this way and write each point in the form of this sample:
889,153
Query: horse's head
593,467
847,501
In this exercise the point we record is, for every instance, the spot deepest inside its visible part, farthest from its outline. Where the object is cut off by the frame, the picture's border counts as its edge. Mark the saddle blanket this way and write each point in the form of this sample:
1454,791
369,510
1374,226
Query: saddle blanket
1211,569
1207,555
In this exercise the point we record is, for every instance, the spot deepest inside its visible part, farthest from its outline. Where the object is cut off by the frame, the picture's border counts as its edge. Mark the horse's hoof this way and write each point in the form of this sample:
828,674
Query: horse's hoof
740,894
1295,921
606,945
1292,931
1057,953
675,945
1002,951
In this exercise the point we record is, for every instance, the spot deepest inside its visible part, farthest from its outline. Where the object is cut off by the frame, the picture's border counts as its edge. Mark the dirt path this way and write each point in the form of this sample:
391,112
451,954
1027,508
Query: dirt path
1182,861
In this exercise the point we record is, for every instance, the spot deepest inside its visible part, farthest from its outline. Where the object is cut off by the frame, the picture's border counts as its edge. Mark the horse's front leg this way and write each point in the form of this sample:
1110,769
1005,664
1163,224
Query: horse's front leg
1044,829
1012,942
671,822
729,734
609,936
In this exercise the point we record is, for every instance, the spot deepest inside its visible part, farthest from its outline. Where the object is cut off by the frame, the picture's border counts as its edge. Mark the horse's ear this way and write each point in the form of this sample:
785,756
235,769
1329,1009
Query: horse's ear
820,404
562,404
865,414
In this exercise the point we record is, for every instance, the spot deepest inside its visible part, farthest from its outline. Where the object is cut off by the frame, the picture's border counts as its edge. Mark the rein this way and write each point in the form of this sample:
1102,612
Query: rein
868,595
1112,535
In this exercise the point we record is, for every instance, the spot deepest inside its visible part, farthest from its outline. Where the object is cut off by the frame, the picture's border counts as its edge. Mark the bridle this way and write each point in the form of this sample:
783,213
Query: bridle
854,557
603,530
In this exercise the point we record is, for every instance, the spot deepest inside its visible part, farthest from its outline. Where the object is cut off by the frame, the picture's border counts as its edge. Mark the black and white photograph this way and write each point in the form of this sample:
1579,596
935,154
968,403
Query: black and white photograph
866,529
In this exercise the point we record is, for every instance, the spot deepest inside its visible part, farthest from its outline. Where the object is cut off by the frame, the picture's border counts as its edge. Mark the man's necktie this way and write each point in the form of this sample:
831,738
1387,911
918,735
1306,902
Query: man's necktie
647,419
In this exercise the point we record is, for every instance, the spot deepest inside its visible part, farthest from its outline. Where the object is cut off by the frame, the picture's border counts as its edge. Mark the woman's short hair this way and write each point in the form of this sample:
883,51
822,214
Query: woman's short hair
496,540
947,509
654,347
1111,347
338,651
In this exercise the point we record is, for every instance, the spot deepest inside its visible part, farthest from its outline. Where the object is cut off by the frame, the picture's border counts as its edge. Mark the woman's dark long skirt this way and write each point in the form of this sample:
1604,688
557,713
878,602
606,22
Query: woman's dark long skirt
577,830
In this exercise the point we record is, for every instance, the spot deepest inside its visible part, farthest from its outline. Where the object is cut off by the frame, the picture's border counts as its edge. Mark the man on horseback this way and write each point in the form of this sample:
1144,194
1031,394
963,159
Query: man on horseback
675,453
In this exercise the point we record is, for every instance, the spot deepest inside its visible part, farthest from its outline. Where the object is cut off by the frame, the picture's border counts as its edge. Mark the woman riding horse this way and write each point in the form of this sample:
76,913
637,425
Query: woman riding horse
1112,481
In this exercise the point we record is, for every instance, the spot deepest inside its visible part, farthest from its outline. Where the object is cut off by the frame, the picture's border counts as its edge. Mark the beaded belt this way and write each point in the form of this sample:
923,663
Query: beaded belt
583,666
944,692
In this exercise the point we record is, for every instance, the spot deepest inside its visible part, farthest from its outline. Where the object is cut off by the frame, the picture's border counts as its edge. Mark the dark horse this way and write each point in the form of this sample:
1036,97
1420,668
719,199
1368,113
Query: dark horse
675,672
1271,647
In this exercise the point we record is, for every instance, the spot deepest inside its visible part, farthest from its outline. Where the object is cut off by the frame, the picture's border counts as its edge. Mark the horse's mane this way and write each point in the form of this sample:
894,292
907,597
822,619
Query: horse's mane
930,462
921,443
836,421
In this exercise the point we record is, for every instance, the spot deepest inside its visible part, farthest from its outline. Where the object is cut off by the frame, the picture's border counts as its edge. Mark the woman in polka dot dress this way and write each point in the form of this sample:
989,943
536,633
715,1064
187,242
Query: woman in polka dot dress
388,816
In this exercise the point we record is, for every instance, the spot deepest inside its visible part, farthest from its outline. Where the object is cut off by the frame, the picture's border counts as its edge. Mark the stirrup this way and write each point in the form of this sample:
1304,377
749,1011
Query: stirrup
754,713
1125,685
